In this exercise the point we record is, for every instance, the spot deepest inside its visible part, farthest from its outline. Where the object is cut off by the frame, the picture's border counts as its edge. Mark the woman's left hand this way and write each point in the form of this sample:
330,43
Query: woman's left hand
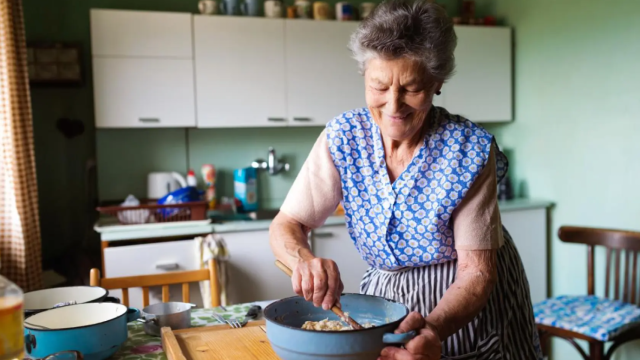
425,346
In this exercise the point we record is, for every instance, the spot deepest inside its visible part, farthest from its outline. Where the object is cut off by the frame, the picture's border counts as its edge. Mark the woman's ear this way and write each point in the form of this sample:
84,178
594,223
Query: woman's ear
438,87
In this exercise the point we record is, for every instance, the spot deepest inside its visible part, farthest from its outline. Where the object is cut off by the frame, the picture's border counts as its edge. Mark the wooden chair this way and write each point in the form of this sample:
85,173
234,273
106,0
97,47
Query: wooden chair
616,243
164,280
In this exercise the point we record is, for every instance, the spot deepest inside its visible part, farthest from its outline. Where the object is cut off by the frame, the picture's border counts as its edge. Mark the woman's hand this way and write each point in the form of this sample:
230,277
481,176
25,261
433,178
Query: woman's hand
318,280
425,346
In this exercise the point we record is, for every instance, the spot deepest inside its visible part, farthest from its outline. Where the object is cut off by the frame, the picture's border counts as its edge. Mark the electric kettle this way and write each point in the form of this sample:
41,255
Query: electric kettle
160,184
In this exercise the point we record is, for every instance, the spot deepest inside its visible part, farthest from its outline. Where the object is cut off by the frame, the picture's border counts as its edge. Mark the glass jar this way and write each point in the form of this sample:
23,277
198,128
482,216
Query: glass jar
11,321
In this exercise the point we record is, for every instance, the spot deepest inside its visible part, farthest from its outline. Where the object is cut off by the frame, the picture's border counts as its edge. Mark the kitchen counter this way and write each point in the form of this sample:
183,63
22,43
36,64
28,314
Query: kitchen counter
111,231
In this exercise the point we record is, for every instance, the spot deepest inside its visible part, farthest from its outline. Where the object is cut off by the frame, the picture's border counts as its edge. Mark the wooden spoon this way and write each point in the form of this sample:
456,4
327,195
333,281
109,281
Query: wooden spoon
336,310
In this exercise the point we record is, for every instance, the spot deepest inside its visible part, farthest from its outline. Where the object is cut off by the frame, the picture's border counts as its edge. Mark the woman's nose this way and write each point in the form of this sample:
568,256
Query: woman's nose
394,102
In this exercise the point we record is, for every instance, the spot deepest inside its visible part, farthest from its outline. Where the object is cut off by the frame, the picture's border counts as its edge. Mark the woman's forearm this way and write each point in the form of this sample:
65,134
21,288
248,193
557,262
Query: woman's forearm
475,279
289,240
316,279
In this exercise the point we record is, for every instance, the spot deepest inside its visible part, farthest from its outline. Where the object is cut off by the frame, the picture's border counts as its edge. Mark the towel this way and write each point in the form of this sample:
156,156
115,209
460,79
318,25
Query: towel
213,246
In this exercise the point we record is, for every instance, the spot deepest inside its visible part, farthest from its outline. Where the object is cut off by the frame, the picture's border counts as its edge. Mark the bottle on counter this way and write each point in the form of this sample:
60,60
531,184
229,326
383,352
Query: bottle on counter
209,177
11,321
191,178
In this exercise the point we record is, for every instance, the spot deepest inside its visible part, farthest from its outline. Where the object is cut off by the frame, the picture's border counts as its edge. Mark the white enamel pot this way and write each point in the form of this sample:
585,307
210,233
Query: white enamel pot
41,300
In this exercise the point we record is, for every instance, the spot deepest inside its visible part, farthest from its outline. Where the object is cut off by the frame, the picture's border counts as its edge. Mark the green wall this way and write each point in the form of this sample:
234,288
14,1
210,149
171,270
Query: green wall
576,130
180,149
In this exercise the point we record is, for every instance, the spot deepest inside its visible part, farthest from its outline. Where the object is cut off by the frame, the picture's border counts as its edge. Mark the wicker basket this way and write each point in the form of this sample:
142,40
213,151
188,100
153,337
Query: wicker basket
151,212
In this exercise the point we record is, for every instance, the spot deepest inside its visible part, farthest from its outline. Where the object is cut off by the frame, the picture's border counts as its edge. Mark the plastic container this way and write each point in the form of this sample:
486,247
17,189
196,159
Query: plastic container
245,186
11,321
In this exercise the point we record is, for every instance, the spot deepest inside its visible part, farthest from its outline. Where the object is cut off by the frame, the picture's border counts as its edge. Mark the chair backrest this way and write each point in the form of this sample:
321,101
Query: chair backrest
164,280
616,242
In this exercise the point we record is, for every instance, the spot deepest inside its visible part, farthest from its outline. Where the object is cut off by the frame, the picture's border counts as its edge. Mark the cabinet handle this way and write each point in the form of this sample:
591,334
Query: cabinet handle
172,266
320,235
149,120
276,119
306,119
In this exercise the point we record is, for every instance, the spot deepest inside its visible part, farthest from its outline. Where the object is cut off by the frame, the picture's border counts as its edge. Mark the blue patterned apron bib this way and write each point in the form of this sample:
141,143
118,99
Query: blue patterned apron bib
407,223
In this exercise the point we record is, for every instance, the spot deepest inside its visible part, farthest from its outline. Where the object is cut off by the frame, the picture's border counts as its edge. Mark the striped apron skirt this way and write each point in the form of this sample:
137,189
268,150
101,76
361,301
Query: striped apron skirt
504,329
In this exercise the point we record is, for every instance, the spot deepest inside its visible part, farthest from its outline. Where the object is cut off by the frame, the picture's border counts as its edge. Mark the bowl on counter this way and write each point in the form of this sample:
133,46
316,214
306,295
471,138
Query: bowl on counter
284,319
175,315
97,330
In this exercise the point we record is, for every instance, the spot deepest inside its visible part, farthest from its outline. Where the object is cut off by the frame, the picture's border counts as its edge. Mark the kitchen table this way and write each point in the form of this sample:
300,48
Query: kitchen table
140,346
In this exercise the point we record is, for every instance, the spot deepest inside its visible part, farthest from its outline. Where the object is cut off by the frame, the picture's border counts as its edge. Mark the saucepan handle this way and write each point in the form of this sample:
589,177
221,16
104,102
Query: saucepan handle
133,314
390,338
111,299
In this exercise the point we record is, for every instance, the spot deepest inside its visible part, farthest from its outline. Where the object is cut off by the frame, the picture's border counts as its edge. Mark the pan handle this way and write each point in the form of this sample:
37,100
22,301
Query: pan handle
111,299
132,314
390,338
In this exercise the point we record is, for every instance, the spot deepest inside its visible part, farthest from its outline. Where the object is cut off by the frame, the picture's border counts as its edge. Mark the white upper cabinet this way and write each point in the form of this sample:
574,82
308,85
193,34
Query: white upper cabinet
143,93
322,78
240,71
142,69
481,88
163,69
141,33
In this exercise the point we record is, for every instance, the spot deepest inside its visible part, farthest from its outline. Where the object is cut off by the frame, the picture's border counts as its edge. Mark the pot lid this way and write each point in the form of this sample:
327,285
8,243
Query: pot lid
46,299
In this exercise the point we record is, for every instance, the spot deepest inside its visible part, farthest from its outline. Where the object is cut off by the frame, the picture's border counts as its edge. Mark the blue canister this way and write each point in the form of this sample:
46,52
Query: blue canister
251,8
245,188
230,7
97,330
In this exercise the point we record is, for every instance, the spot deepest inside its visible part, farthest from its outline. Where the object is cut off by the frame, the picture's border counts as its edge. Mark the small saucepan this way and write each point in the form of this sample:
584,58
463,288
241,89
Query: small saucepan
41,300
176,315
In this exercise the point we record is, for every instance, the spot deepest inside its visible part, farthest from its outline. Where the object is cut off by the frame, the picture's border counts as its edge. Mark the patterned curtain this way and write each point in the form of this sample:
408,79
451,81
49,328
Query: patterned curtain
20,249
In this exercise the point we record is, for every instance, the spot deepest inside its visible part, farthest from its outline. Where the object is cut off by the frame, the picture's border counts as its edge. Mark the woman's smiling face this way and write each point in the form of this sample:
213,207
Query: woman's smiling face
399,94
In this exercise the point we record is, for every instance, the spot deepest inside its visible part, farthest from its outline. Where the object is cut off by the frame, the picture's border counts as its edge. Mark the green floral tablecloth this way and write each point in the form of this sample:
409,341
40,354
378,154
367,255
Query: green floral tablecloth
140,346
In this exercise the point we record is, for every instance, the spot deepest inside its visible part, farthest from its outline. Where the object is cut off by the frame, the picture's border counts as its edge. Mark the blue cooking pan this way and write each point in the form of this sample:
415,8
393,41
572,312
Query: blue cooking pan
284,319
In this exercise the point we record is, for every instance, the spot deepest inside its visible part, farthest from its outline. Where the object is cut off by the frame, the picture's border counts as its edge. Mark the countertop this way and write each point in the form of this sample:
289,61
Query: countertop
110,231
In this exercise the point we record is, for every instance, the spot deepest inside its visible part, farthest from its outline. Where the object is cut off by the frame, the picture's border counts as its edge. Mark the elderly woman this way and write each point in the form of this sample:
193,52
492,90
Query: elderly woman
418,186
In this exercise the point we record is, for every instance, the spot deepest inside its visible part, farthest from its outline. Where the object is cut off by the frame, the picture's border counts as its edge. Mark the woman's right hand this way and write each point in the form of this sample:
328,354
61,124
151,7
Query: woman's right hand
318,280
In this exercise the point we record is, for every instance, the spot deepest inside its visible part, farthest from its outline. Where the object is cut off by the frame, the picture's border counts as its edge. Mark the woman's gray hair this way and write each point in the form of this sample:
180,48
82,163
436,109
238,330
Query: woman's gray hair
418,30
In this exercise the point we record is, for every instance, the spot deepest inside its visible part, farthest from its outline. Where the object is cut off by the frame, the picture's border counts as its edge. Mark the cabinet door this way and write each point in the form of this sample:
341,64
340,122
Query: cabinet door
480,89
253,275
239,71
322,79
528,228
334,242
141,34
143,92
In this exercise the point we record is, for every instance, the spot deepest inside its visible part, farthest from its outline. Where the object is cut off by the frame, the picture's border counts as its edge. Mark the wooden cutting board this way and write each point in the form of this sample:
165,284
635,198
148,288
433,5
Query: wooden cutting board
218,342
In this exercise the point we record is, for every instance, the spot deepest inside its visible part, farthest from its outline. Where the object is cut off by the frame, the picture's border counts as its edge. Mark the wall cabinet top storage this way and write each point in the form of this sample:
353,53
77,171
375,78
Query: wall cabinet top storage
142,69
163,69
141,34
240,71
258,72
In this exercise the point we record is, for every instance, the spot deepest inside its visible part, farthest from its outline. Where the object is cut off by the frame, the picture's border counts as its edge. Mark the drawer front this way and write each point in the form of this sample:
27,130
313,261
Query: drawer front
150,259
